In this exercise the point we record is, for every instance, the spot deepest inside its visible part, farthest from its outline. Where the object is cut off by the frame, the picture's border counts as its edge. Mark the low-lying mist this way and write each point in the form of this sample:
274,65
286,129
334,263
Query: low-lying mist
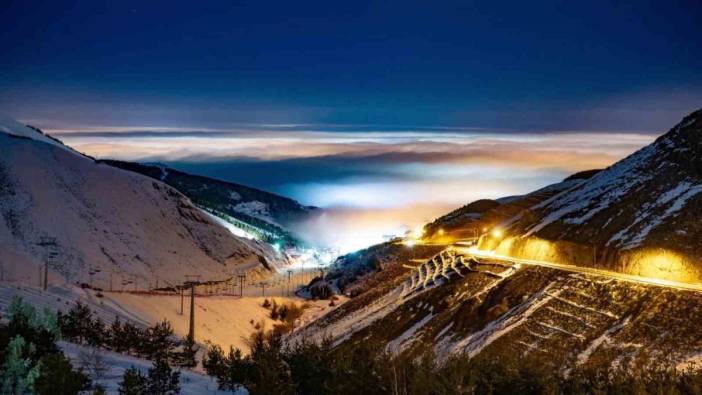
369,184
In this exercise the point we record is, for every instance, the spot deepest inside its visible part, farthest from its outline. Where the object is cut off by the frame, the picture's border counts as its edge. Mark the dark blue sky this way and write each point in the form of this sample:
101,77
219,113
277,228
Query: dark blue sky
600,65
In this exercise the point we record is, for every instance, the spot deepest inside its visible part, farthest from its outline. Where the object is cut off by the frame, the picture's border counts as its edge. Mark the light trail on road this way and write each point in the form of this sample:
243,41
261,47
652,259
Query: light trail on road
474,252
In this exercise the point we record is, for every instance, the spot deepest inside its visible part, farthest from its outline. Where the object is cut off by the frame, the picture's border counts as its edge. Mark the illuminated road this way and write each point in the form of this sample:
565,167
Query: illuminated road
480,254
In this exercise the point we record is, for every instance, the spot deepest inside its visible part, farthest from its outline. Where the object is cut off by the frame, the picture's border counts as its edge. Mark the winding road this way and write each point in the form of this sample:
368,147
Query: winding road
481,254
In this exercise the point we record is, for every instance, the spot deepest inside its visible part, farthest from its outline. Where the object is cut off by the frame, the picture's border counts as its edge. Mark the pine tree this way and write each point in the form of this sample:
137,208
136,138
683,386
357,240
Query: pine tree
213,362
238,370
36,328
17,376
133,338
186,357
162,380
133,383
96,334
160,341
57,377
76,324
116,338
270,374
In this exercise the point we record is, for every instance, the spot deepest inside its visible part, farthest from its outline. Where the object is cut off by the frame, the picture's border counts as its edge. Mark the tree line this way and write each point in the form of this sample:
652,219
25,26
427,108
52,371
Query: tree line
310,368
31,362
79,325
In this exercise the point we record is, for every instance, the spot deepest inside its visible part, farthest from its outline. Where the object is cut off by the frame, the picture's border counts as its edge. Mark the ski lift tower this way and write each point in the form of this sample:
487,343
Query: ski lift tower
49,246
192,280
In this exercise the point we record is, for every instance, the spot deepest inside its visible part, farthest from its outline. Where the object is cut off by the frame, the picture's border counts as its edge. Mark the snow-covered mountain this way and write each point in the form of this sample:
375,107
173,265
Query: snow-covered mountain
266,214
96,223
639,216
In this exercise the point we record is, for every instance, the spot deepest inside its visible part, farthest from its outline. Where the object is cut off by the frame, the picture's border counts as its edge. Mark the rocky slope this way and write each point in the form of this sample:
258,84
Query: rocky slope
95,222
641,210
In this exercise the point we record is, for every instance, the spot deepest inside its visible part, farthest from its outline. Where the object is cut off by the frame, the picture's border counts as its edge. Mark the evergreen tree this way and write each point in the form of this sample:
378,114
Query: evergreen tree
269,373
160,342
117,338
238,369
162,380
57,377
18,375
311,366
39,329
213,362
133,383
76,324
187,356
96,334
133,338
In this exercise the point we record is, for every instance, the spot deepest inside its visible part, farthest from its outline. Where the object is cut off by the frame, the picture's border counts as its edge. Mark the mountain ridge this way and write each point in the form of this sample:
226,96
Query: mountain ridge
103,222
452,304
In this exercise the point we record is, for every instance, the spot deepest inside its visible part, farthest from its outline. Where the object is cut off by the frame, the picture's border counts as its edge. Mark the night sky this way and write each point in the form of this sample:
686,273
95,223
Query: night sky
387,114
526,65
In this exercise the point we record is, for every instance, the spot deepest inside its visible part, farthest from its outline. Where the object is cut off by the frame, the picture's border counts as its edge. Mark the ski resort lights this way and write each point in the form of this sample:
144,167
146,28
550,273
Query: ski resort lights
414,236
417,232
663,264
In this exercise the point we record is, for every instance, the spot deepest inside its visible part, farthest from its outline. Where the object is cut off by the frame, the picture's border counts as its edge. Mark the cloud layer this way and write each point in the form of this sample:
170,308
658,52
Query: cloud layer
372,183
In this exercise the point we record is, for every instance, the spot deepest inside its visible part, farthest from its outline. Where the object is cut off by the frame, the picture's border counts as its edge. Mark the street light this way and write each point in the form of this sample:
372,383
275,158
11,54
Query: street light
497,233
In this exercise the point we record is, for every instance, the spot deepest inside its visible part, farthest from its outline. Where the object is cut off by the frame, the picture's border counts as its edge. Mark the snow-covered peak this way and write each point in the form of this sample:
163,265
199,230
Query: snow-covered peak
12,127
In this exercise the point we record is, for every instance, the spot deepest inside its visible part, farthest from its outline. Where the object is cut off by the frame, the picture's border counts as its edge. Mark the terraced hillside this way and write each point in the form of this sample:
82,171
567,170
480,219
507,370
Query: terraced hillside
487,307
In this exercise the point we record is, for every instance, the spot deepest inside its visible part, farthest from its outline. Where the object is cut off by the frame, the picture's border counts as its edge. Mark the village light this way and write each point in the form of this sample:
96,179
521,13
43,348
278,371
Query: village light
418,232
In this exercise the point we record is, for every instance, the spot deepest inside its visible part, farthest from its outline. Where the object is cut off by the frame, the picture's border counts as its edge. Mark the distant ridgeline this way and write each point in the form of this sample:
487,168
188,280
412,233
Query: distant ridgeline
262,214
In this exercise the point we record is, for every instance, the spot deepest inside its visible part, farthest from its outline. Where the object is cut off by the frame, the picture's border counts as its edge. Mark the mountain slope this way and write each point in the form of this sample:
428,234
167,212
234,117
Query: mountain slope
643,209
103,223
638,216
266,213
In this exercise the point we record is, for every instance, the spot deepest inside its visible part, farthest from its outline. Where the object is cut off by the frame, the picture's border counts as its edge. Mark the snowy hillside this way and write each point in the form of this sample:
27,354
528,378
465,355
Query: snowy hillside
640,216
626,217
562,320
101,225
265,214
191,383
